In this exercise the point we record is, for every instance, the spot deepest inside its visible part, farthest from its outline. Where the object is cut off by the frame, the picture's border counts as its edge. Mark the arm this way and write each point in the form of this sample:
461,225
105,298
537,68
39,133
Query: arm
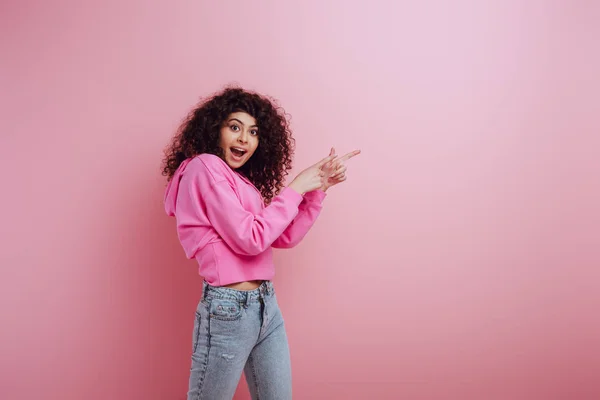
247,233
309,210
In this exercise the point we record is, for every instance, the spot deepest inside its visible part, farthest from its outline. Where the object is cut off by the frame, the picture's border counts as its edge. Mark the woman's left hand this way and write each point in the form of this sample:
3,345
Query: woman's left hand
335,171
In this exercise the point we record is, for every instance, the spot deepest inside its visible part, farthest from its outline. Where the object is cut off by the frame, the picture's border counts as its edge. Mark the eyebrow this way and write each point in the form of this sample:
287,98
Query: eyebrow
235,119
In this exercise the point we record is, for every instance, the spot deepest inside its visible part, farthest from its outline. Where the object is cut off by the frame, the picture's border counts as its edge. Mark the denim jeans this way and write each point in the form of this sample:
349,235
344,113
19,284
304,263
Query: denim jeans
237,331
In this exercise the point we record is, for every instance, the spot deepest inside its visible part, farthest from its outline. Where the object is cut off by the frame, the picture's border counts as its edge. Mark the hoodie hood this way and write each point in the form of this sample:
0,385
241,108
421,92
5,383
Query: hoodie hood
172,190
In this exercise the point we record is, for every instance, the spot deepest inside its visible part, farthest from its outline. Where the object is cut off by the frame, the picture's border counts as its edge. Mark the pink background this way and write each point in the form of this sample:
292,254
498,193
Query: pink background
460,260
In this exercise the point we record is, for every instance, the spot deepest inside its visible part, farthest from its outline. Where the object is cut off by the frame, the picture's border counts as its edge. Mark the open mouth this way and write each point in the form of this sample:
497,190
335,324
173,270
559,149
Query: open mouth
238,152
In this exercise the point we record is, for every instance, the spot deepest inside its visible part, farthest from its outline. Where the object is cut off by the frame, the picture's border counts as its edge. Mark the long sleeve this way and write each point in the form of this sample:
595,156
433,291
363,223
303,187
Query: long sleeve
309,210
247,233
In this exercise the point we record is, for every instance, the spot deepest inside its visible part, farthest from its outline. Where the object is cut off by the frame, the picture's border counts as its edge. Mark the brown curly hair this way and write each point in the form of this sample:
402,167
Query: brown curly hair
200,133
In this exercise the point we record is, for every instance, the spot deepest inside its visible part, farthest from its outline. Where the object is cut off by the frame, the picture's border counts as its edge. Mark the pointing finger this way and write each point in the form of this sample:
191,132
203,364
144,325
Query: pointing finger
350,155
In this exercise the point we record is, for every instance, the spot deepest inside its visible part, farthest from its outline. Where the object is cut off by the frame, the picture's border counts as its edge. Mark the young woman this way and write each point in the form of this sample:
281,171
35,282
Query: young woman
226,167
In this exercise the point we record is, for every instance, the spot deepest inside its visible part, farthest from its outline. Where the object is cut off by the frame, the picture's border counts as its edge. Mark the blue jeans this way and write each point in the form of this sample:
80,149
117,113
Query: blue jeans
237,331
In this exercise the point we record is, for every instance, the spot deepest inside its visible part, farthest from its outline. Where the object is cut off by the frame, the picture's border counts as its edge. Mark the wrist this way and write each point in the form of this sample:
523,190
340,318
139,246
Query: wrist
295,188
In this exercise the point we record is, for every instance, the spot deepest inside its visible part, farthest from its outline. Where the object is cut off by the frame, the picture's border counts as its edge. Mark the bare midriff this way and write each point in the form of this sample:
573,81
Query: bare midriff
248,285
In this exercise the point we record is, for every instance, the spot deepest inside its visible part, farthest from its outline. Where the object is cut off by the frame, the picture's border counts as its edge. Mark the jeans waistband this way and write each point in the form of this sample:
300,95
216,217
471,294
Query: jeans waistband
265,289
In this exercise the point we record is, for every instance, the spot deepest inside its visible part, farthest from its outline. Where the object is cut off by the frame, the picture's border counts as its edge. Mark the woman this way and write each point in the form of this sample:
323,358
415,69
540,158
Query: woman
226,167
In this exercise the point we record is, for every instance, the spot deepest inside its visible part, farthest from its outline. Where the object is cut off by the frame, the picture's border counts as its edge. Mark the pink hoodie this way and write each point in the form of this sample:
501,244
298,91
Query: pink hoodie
223,223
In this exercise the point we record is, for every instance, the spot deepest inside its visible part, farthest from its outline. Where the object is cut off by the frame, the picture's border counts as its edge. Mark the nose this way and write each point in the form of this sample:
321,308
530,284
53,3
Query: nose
243,137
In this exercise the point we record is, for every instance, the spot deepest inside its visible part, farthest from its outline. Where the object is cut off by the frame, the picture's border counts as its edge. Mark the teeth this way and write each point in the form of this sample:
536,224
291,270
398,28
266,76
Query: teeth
238,149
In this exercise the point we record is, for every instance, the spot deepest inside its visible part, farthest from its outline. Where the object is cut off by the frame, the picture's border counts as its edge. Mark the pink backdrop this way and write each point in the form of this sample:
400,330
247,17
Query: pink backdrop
460,261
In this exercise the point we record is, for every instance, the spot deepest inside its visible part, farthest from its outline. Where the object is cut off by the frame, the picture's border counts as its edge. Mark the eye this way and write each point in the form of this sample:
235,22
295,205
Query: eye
235,128
254,132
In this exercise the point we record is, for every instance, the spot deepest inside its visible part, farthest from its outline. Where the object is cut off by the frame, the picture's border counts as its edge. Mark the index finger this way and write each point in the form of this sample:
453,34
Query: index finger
348,156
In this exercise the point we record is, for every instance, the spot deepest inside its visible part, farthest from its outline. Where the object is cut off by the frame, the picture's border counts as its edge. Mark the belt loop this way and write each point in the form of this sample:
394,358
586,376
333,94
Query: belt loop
247,300
262,289
204,289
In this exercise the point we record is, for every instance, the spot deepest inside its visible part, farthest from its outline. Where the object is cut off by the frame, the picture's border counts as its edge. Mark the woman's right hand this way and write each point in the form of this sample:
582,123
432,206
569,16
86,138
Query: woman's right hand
311,178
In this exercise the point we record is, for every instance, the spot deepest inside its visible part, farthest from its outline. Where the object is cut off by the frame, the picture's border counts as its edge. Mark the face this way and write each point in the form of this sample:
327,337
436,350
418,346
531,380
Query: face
239,138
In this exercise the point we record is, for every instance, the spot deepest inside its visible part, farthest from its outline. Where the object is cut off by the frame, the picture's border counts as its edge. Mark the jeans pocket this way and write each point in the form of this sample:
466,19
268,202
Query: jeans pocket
225,310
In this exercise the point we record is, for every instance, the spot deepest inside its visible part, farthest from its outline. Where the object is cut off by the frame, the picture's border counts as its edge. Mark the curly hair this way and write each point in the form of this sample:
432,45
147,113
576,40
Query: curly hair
200,133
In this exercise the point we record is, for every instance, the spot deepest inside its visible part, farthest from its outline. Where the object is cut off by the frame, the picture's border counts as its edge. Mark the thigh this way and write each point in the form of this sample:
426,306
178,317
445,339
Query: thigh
223,338
268,369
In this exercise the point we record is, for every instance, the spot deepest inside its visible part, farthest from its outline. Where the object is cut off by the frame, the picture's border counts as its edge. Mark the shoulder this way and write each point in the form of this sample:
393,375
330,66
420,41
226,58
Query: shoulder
210,166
